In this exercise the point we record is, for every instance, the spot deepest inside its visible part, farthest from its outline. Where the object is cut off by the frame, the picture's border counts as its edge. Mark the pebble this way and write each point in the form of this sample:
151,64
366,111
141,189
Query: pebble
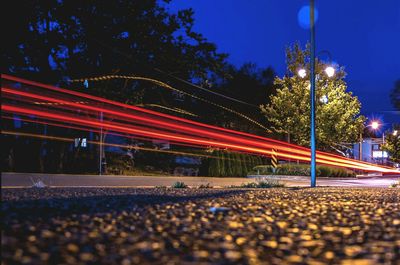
170,226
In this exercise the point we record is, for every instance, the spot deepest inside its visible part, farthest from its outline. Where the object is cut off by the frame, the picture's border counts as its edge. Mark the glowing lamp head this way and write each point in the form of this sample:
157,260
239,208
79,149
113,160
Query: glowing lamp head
375,125
324,99
302,73
330,71
395,132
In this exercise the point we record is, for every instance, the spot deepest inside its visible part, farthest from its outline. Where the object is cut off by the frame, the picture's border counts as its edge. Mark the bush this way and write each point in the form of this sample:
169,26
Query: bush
324,171
303,170
179,185
205,186
262,184
395,185
229,164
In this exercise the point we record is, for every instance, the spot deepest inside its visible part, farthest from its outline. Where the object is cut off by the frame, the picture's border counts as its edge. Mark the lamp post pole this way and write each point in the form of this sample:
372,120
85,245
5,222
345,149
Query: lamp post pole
312,96
383,143
360,147
101,146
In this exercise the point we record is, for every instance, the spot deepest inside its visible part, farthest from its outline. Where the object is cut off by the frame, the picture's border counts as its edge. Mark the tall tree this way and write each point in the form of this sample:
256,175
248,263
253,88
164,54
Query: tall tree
56,40
338,116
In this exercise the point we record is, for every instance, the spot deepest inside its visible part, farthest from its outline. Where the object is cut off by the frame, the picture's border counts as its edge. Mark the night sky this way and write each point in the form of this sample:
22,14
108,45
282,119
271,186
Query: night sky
362,35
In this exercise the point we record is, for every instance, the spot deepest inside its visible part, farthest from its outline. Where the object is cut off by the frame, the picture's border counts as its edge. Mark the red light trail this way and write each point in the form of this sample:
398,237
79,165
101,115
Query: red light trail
62,106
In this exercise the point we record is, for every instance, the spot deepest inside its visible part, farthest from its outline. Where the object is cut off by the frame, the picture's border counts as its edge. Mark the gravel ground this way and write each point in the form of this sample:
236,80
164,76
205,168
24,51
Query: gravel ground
180,226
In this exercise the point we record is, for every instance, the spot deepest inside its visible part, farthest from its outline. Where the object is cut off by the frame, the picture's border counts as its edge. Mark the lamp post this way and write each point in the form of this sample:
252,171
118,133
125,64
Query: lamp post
330,71
383,142
312,96
101,154
101,146
360,147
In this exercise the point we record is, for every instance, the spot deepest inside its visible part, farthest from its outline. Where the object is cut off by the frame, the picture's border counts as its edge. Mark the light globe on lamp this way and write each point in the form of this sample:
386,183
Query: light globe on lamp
324,99
330,71
302,73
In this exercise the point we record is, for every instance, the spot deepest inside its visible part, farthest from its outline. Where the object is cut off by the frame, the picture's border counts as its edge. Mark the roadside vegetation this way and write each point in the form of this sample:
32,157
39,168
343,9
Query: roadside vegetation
179,185
303,170
264,184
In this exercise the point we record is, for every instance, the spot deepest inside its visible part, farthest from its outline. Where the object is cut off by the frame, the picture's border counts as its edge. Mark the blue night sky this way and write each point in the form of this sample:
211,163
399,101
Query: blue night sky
362,35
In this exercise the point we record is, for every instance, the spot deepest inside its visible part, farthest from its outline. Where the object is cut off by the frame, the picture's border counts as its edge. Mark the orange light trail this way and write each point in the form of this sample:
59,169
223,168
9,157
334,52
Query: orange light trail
146,111
170,136
65,139
82,109
186,129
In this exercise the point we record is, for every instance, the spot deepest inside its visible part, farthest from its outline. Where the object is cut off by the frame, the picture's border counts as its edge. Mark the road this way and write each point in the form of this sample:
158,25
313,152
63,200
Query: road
327,225
65,180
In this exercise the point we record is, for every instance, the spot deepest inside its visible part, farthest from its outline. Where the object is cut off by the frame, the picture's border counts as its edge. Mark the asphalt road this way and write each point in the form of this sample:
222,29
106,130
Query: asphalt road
200,226
64,180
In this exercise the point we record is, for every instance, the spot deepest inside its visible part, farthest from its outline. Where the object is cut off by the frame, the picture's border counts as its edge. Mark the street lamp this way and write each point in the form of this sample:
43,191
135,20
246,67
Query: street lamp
101,154
374,125
313,163
330,71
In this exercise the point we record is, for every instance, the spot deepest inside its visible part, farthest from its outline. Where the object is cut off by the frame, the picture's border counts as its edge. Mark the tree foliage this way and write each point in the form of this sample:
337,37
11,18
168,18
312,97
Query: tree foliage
392,143
338,116
251,86
57,40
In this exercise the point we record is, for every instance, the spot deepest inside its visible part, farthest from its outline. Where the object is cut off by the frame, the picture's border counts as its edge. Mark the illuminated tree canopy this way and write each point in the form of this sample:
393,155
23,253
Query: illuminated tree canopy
338,118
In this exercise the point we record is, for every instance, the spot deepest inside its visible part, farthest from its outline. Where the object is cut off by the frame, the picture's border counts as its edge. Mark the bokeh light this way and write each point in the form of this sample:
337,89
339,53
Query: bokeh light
303,16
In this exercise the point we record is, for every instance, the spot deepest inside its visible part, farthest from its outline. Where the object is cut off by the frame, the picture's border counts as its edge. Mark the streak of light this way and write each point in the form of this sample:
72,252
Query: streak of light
135,130
292,156
171,109
343,161
164,124
126,106
162,84
89,129
176,137
65,139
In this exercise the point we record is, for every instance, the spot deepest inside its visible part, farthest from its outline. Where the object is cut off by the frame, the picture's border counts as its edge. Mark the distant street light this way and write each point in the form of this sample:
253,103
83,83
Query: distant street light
375,125
395,132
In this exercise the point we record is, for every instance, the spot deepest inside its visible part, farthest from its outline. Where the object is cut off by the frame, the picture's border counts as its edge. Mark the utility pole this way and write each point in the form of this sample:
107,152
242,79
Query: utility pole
312,96
101,145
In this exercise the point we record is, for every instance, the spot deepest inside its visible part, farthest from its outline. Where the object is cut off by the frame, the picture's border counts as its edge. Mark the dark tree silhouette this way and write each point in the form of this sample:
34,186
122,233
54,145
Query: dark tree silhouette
249,84
55,40
395,95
